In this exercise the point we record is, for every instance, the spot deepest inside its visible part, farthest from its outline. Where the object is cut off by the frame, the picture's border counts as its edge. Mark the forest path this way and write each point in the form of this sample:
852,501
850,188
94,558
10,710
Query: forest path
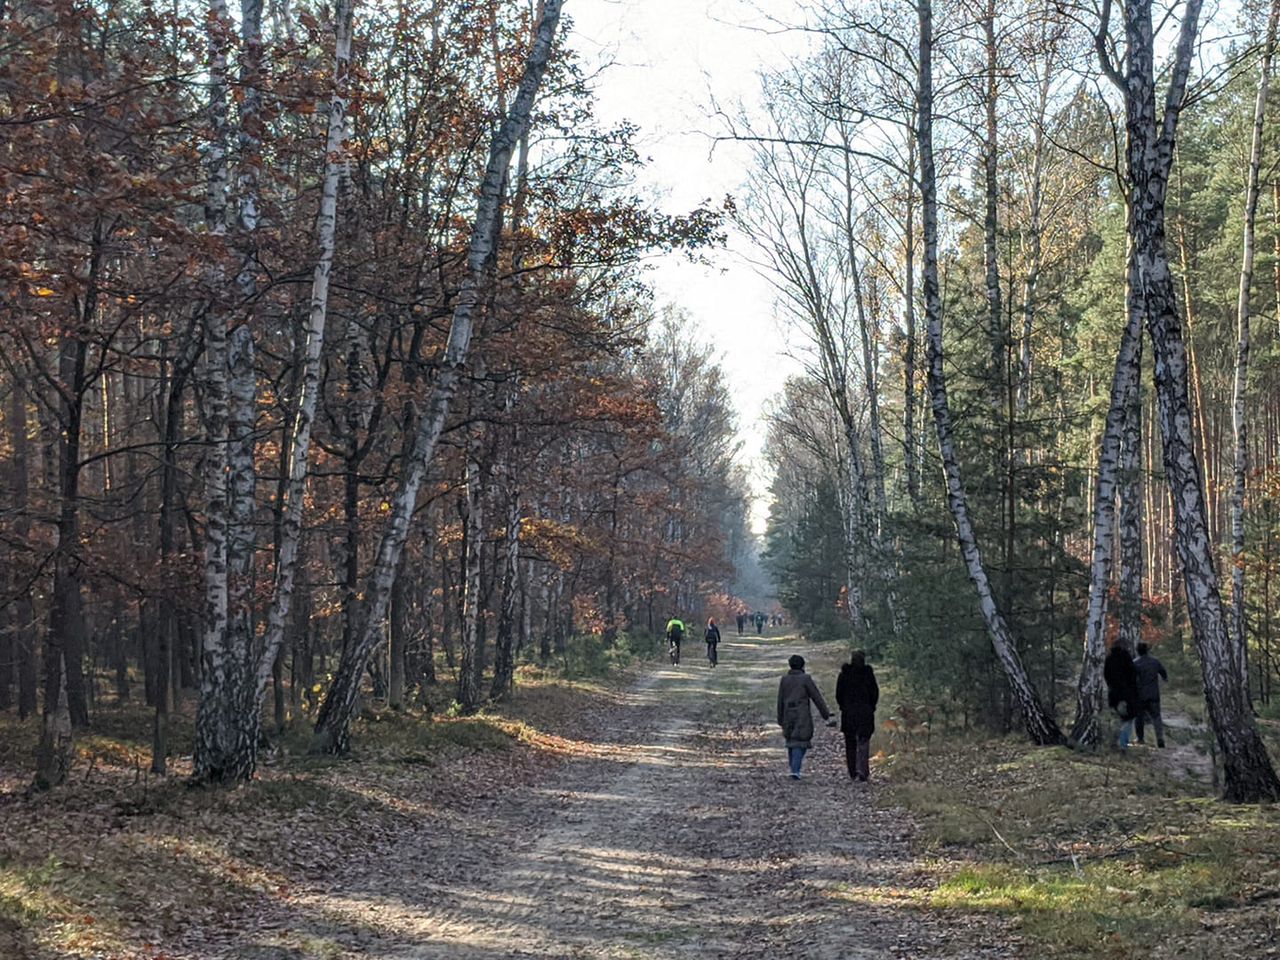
678,837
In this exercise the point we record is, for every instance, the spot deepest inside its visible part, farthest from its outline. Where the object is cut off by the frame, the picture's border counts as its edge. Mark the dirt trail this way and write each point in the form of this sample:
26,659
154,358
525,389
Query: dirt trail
681,838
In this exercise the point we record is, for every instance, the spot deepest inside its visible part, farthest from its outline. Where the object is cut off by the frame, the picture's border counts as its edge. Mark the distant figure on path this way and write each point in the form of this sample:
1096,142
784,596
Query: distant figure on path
713,639
1149,671
1122,690
742,624
796,691
759,622
857,694
675,633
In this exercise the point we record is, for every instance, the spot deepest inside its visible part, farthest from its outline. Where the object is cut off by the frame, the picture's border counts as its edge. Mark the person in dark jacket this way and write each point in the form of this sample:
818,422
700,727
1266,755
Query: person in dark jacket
1122,690
712,637
1149,671
857,693
796,691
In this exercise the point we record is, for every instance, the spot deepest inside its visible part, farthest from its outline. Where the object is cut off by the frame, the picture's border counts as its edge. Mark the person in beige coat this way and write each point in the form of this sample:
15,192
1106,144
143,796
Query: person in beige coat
796,692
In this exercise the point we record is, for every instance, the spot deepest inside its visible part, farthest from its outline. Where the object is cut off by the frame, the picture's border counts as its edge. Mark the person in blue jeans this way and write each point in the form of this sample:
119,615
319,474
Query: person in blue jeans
1122,690
796,693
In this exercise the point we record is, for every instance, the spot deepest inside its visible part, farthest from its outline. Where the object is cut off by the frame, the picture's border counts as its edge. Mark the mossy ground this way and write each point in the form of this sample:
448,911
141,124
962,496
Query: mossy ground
1095,854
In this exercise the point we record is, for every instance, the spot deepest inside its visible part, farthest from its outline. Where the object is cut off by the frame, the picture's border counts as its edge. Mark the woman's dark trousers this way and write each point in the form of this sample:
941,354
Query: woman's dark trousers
857,755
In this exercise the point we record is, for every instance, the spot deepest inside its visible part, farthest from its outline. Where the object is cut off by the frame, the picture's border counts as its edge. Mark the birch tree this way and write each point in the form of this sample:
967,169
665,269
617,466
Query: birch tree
1039,722
1240,392
333,722
1249,776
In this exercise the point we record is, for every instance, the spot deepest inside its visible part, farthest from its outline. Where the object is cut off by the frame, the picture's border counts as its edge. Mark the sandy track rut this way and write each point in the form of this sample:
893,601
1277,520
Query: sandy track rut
681,838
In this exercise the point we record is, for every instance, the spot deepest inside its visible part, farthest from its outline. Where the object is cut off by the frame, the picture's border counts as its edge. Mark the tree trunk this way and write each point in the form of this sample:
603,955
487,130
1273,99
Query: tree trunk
1040,725
911,444
332,726
990,219
472,600
229,716
1239,637
504,654
1031,282
212,741
1249,774
400,614
1131,568
53,757
309,381
24,636
1124,393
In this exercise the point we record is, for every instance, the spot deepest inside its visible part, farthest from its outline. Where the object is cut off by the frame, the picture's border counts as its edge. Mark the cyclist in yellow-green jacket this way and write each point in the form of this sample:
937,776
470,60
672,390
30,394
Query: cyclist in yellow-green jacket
675,633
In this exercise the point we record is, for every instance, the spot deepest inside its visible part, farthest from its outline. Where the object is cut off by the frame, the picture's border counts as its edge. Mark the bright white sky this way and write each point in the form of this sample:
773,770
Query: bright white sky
670,59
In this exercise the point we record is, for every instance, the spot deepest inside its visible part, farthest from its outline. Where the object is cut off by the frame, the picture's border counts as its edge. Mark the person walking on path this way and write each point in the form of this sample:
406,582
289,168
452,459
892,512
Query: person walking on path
1149,671
713,640
1122,690
857,694
796,691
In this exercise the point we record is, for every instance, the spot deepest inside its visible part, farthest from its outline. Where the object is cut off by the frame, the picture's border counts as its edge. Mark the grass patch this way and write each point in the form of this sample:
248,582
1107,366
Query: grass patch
25,892
1093,855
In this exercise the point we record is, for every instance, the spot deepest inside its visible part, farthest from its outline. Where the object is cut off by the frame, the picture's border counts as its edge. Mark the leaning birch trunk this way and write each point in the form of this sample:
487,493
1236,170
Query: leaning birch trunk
1040,725
1240,425
215,409
309,382
332,725
1124,391
1249,776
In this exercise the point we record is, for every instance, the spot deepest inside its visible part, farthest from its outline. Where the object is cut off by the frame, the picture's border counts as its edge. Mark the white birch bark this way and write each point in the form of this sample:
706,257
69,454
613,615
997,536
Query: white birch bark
1035,239
1239,422
990,220
313,346
1131,566
911,443
1040,725
1249,775
249,142
1124,391
333,723
216,667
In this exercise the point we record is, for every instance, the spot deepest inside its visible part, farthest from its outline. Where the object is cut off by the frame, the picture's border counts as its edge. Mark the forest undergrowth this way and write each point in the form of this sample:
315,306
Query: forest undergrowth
1095,854
122,864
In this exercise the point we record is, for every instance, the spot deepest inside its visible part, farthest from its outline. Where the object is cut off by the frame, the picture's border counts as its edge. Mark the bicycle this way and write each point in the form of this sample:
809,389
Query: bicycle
712,653
673,651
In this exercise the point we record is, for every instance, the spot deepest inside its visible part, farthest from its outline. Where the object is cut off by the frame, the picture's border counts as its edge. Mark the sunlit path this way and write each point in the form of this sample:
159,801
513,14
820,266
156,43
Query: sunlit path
682,838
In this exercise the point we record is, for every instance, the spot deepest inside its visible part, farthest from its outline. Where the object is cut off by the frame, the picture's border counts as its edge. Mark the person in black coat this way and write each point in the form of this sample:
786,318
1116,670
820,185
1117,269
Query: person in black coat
1122,690
857,693
1149,671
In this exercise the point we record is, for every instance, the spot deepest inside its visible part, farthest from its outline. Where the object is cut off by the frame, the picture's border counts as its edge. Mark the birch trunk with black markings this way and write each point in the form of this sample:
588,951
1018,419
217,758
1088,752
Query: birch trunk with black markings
1239,396
333,723
1039,723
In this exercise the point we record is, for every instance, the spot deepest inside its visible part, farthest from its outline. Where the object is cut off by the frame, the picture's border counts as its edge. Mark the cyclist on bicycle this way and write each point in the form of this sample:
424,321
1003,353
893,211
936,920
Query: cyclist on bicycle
712,637
675,633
